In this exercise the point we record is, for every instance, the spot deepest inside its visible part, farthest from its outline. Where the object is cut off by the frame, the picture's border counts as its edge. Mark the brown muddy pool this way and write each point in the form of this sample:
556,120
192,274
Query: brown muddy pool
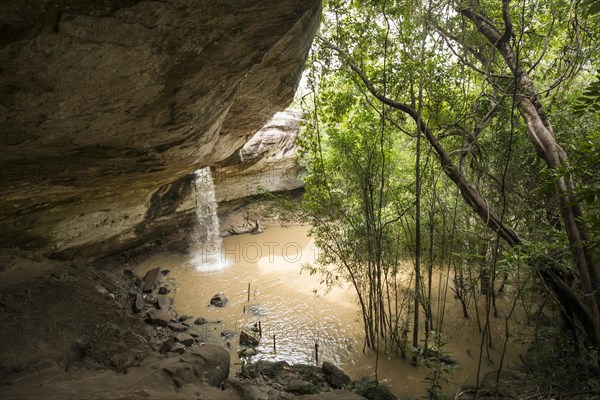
295,308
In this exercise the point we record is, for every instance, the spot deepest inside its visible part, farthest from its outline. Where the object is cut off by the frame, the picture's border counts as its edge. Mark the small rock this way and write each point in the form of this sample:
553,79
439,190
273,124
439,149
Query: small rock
194,334
185,339
200,321
211,362
335,376
165,272
166,345
184,317
248,339
267,368
228,334
178,348
164,302
373,390
219,300
137,282
176,326
138,303
159,317
150,299
132,293
150,279
301,387
163,290
247,352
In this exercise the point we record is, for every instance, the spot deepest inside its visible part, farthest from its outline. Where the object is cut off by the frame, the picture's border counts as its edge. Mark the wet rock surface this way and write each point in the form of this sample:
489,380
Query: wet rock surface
150,279
248,339
219,300
335,376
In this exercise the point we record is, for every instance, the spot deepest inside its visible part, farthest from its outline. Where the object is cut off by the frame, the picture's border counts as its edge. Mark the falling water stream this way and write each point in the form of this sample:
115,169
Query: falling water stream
206,247
293,307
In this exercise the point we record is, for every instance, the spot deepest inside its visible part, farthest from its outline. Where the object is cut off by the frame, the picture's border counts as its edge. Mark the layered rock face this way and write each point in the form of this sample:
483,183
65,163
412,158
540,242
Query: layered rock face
267,162
107,106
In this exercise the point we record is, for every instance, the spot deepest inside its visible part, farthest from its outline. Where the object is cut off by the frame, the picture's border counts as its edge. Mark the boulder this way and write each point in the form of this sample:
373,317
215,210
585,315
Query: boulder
163,290
138,303
210,362
372,390
333,395
334,375
150,279
159,317
248,339
185,338
176,326
252,392
219,300
269,369
178,348
247,352
181,373
297,386
166,345
164,302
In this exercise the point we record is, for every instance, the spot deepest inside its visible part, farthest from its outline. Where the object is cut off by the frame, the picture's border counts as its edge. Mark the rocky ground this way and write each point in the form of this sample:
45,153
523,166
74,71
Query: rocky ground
72,329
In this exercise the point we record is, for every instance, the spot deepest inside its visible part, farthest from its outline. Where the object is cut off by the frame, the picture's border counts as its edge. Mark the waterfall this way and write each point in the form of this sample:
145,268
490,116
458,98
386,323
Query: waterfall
206,255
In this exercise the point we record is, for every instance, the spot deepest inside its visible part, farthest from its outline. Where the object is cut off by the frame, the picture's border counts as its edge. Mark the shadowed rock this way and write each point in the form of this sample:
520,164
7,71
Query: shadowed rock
150,279
335,376
107,106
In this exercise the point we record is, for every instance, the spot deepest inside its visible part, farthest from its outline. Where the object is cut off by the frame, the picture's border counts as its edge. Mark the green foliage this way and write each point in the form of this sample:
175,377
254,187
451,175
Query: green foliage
360,154
589,101
591,6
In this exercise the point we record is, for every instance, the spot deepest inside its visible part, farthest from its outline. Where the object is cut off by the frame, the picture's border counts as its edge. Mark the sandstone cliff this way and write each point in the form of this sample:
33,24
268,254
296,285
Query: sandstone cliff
107,106
267,162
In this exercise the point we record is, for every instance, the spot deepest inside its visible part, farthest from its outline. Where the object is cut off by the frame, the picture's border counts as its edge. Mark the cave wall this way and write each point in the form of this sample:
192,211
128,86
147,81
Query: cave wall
106,106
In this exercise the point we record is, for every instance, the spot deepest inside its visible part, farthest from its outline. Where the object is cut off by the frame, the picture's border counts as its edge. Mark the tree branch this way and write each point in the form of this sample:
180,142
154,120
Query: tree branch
467,190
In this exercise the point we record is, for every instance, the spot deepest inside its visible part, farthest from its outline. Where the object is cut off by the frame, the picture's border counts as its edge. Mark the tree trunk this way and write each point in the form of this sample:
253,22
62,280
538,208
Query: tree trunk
588,315
542,137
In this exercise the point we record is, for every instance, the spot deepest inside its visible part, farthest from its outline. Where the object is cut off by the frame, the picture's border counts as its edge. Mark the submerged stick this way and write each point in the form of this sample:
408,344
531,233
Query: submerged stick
248,292
317,352
259,329
274,345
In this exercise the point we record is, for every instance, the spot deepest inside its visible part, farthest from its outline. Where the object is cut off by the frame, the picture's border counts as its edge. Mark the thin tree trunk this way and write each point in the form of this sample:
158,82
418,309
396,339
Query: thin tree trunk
417,250
542,137
588,315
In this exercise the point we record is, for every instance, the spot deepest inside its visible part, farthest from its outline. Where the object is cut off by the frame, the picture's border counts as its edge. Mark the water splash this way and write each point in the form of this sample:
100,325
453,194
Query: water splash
206,251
